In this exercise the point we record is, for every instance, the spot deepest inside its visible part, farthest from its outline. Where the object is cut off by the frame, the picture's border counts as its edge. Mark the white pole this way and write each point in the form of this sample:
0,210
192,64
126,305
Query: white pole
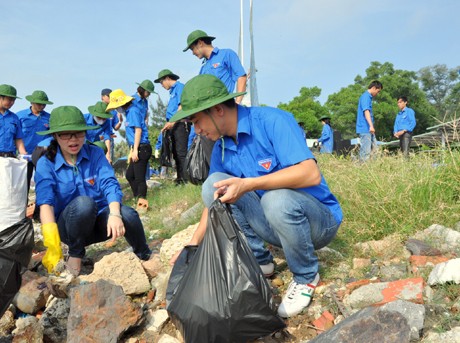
241,34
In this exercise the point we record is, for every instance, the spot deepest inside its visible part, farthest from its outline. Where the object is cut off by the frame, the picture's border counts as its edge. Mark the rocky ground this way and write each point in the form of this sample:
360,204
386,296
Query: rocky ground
389,291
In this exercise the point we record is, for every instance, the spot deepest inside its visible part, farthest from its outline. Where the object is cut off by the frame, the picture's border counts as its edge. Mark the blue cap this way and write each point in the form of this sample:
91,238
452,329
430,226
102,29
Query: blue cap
106,91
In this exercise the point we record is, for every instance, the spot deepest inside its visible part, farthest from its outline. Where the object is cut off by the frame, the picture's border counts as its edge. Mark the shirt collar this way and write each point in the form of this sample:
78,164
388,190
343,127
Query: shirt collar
244,127
60,161
214,51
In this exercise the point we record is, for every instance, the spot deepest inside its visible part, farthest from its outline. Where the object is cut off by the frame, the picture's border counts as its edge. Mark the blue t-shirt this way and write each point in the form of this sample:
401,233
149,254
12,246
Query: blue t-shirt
191,136
101,134
57,183
405,120
225,65
10,130
159,142
135,119
31,124
175,93
269,140
326,140
143,104
114,120
365,103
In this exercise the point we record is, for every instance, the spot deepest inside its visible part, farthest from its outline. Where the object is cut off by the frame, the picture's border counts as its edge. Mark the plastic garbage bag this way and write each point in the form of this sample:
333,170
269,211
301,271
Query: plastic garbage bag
198,160
223,295
13,191
166,149
16,244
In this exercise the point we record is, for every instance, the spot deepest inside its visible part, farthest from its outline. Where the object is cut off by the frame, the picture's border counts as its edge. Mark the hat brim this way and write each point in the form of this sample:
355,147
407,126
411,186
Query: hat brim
148,90
111,106
172,76
34,101
95,113
11,96
205,105
68,128
188,47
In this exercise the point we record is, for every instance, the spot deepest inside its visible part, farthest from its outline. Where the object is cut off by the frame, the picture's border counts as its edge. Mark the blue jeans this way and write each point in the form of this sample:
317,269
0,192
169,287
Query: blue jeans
79,226
293,220
367,144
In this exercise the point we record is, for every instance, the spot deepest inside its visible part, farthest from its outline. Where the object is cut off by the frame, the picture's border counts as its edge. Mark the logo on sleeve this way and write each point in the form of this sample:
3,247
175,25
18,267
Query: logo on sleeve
91,180
215,65
266,164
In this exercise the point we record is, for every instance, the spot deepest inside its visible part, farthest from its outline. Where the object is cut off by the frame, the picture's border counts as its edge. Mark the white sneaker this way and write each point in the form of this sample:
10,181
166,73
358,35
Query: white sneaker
267,269
298,297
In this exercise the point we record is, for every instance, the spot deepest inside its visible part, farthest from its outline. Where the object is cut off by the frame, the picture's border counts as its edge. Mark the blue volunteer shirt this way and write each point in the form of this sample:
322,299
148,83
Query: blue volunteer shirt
31,124
191,137
175,93
114,120
269,140
57,184
101,134
10,130
326,140
135,119
405,120
225,65
142,104
365,103
159,142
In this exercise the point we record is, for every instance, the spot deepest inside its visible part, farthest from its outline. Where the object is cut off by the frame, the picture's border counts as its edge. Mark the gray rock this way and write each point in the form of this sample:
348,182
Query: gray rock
28,330
445,272
6,323
54,320
393,272
445,239
160,283
414,314
326,253
420,248
452,336
368,325
366,295
156,320
191,212
101,312
171,246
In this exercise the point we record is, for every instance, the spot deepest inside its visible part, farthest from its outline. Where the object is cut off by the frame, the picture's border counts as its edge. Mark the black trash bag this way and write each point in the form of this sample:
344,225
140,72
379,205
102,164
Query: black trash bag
223,295
16,244
166,149
180,267
198,159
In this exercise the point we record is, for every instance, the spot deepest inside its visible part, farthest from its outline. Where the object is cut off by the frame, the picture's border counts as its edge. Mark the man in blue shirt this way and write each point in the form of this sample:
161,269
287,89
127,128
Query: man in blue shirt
34,119
261,165
327,136
404,125
180,130
365,121
98,117
222,63
10,126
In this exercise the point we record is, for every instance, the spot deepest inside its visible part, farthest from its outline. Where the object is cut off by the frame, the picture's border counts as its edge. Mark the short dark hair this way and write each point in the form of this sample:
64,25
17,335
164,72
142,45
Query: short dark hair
403,98
141,91
377,84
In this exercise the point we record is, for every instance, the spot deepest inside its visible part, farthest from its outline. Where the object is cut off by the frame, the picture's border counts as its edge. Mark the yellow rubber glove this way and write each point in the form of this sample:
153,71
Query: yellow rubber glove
52,241
129,155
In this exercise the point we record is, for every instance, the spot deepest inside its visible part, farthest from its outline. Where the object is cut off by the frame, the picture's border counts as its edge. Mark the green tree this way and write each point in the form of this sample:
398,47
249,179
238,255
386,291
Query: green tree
307,109
343,105
157,120
439,83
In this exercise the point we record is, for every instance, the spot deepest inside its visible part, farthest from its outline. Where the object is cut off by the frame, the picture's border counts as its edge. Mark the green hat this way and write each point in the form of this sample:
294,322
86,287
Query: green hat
202,92
101,145
194,36
39,97
325,117
7,90
166,72
98,110
67,118
148,86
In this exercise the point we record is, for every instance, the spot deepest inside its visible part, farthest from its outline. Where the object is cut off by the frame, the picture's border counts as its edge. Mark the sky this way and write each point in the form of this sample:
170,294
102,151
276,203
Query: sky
72,50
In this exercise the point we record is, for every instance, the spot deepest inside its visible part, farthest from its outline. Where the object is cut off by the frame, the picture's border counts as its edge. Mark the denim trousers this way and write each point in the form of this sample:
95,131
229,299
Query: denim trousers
80,225
368,143
291,219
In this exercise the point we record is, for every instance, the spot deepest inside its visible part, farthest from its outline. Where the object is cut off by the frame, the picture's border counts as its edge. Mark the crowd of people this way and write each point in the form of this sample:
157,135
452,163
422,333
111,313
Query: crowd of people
260,165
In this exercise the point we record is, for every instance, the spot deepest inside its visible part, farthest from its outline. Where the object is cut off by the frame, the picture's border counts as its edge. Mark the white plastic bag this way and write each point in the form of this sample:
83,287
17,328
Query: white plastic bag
13,191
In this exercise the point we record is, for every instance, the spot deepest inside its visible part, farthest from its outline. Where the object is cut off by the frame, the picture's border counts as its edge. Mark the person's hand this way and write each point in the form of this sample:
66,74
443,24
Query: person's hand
108,157
168,126
52,241
115,227
120,117
134,155
230,190
372,130
157,153
173,259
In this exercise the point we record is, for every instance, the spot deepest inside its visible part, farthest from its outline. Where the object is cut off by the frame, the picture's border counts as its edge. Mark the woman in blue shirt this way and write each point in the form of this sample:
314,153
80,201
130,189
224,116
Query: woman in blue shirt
137,136
79,196
327,136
